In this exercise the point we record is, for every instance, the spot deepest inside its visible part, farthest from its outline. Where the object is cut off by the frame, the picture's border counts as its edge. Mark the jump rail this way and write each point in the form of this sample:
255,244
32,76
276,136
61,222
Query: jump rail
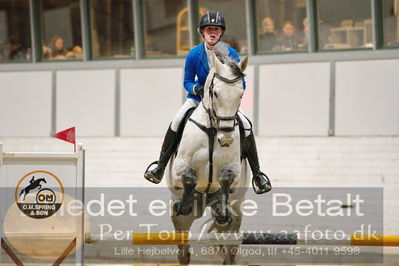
243,239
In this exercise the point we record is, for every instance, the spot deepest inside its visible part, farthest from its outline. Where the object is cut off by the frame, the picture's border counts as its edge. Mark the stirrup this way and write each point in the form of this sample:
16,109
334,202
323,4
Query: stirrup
150,177
259,190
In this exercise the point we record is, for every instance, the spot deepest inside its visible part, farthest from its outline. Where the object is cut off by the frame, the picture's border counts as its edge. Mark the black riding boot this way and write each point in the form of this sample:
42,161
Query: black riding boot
168,148
260,181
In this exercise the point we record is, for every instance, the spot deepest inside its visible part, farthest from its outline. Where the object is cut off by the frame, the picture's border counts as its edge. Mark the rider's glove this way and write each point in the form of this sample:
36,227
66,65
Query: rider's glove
198,91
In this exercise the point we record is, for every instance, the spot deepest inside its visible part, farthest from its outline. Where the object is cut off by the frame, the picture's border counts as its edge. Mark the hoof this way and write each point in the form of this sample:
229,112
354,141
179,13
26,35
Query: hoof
184,255
223,221
184,260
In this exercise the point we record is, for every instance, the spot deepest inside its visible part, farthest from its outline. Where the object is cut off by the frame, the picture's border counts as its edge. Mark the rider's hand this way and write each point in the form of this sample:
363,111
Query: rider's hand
198,91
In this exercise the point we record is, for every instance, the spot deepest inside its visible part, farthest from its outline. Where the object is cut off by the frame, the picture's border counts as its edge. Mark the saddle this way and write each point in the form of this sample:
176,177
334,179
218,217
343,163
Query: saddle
182,126
240,126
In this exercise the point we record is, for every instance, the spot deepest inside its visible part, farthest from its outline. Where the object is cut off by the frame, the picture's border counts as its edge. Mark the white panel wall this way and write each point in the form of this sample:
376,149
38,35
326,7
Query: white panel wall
86,99
25,104
247,102
150,99
294,99
367,98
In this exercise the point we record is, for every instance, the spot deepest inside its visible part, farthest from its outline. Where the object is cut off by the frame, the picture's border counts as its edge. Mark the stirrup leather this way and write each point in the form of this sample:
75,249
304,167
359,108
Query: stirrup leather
148,175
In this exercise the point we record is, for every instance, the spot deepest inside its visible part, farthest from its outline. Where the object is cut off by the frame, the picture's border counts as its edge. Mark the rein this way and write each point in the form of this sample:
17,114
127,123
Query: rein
212,131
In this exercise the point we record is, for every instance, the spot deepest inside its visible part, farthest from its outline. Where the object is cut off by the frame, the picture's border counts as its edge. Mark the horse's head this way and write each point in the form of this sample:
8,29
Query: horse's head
222,96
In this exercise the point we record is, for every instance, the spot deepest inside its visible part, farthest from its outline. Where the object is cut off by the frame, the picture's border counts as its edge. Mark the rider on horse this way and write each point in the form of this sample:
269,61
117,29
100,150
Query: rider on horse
196,70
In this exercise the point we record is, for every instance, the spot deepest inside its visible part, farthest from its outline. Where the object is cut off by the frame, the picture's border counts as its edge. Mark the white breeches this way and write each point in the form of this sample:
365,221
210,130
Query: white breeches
190,103
245,122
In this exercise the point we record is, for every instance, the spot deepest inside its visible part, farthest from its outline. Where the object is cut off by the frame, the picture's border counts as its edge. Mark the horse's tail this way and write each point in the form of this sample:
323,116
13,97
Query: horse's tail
22,191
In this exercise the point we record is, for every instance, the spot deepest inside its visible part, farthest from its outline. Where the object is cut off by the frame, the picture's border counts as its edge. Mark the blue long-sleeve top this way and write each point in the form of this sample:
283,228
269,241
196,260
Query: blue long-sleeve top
196,68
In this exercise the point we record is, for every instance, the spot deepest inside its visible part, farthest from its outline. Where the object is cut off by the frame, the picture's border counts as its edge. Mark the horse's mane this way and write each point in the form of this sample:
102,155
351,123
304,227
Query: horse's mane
222,53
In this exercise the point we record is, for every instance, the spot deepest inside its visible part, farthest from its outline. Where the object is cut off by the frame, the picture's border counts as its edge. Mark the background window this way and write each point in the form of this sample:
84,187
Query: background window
282,26
391,22
182,31
61,29
165,22
345,24
112,28
15,38
234,15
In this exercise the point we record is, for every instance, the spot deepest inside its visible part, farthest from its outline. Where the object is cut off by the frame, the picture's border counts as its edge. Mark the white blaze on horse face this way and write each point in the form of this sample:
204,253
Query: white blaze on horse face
226,97
226,102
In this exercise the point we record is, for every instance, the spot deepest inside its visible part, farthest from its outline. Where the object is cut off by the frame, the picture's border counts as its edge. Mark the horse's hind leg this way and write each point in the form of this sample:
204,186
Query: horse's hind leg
184,206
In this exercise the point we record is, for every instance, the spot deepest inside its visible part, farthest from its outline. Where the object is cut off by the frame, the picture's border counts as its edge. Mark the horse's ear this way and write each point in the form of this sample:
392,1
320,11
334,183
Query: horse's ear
243,64
216,63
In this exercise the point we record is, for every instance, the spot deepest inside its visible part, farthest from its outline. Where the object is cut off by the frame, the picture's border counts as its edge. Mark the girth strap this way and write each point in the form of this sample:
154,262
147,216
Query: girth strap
211,133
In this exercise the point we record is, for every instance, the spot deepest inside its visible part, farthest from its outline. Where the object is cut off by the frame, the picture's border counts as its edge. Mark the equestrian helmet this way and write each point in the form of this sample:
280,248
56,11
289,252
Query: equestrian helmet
212,18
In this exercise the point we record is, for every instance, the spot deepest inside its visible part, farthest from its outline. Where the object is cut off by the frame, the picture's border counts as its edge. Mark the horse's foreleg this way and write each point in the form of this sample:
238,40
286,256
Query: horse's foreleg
226,179
182,224
184,206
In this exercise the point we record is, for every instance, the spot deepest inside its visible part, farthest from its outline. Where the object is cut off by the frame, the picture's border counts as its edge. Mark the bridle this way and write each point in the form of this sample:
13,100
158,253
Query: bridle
211,131
213,116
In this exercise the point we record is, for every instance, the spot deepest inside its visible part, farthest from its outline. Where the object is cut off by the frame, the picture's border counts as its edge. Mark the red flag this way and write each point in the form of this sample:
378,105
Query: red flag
67,135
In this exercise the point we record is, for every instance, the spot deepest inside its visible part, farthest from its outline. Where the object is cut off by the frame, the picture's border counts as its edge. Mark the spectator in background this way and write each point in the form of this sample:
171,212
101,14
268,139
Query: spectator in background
268,36
76,53
150,44
306,34
231,41
17,51
4,45
152,48
288,40
57,48
46,52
